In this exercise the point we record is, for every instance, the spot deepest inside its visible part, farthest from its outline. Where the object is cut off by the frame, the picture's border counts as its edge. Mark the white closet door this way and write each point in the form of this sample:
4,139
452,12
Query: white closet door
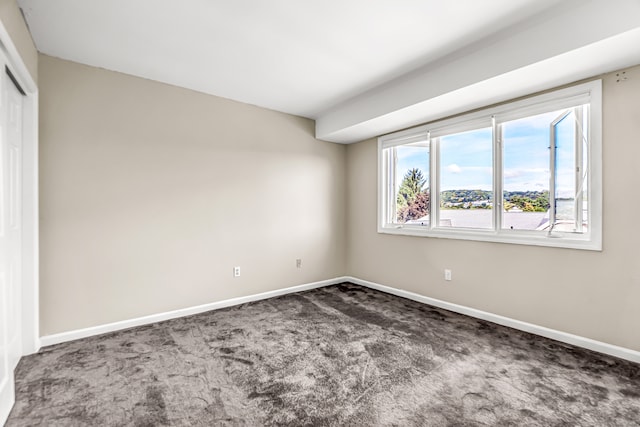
10,238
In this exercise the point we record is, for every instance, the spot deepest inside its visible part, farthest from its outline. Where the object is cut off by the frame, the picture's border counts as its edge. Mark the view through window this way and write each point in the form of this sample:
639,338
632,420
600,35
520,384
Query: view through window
518,172
466,179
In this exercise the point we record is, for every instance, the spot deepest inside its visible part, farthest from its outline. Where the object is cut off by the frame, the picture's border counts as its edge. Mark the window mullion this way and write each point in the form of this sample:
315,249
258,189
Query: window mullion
552,177
393,202
434,170
578,168
496,131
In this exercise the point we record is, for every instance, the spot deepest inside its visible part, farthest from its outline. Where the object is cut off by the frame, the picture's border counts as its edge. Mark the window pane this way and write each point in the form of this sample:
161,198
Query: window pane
466,179
565,172
526,176
570,168
412,184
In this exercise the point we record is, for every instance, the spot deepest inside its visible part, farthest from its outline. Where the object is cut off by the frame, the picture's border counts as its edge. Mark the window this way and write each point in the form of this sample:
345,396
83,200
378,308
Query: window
525,172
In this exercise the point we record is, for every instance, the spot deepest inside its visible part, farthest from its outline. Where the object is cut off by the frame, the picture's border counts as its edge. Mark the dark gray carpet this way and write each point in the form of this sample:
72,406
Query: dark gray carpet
341,355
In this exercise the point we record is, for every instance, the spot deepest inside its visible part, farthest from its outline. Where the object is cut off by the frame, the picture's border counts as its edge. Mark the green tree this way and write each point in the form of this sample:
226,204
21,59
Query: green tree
413,199
542,202
411,186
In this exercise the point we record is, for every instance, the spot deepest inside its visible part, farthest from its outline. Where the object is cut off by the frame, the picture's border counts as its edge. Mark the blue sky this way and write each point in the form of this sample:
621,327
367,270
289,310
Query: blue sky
466,158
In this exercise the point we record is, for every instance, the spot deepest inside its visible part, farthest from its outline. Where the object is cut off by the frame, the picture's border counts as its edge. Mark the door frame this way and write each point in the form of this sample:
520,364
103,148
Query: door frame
30,218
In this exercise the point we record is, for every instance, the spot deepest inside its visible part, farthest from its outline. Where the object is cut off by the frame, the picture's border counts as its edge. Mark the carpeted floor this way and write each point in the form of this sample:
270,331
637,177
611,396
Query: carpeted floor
341,355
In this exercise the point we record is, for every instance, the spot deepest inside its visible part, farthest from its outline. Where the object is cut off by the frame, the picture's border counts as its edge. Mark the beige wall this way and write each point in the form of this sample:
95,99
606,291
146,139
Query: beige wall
14,23
592,294
151,194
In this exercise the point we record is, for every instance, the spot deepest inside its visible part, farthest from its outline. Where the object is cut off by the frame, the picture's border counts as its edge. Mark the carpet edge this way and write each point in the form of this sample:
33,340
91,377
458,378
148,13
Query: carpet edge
75,334
565,337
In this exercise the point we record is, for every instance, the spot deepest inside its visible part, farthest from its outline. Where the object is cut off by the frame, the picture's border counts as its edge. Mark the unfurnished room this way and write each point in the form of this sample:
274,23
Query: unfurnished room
319,213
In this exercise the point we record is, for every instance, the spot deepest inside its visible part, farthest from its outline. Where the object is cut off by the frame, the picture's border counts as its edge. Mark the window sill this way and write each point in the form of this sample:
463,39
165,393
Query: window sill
518,237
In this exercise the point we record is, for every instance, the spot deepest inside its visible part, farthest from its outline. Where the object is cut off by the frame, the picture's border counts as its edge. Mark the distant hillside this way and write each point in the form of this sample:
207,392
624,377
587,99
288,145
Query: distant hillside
463,196
528,201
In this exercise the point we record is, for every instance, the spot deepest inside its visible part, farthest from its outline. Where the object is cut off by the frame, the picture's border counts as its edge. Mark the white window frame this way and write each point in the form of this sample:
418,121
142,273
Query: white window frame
591,239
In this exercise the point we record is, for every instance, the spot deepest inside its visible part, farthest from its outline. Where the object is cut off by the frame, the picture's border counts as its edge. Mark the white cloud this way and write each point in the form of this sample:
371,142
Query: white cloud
453,168
518,172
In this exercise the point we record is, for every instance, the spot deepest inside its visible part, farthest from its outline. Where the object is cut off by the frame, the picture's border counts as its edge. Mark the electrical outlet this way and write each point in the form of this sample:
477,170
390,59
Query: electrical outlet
236,271
299,263
447,274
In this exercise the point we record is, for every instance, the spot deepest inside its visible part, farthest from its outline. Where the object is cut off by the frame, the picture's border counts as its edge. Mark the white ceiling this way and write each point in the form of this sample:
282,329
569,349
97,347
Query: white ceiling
323,59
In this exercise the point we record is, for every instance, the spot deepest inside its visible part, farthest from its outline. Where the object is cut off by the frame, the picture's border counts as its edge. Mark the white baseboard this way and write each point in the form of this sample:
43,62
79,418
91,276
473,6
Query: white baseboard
601,347
153,318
